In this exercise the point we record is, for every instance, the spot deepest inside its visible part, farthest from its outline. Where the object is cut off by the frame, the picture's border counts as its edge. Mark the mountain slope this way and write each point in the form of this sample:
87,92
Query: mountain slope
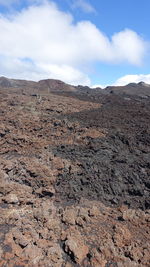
141,89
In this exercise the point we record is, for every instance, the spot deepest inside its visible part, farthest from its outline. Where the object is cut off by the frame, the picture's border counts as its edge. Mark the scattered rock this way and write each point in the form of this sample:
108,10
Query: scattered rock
11,199
122,236
20,239
55,255
75,247
94,211
33,254
69,216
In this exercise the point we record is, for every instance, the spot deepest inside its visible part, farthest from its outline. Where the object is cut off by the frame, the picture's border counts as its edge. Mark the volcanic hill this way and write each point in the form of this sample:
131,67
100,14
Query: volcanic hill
74,175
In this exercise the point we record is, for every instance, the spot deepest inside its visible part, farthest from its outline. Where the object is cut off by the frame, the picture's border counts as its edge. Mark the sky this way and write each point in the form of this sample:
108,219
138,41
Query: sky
87,42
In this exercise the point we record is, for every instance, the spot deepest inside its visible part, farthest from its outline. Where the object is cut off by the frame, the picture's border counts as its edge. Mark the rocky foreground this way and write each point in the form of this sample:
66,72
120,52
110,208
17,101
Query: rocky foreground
74,175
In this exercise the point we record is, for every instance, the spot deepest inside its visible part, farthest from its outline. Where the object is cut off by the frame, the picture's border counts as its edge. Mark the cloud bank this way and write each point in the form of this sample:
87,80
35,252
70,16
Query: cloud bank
133,79
43,42
124,80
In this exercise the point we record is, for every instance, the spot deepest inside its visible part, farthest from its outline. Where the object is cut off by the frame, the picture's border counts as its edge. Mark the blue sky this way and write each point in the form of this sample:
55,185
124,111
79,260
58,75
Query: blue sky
78,41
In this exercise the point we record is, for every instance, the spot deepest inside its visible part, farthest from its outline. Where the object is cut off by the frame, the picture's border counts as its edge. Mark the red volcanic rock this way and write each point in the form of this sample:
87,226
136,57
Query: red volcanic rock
55,255
11,199
122,236
69,216
33,254
75,247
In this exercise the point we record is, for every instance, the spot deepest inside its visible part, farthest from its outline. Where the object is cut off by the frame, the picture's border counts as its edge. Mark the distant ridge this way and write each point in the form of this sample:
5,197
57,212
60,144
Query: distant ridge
55,85
50,84
132,89
15,83
140,89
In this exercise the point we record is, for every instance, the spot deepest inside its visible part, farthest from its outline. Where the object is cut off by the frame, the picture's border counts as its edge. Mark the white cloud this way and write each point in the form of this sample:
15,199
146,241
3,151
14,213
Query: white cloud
133,79
57,47
67,73
102,86
126,79
26,69
84,5
128,45
10,3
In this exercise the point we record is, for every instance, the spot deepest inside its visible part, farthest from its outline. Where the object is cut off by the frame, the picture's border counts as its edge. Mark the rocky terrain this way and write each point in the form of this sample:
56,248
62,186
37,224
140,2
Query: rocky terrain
74,175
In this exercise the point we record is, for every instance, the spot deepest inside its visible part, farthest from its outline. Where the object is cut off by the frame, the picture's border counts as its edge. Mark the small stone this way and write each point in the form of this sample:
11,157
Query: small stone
33,253
80,222
11,199
69,216
97,259
94,211
53,224
20,239
68,264
84,214
75,245
17,250
57,163
55,253
122,236
23,242
44,244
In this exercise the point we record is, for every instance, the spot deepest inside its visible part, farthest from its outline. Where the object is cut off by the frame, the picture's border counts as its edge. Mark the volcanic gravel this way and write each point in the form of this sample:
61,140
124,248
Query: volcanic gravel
74,176
115,168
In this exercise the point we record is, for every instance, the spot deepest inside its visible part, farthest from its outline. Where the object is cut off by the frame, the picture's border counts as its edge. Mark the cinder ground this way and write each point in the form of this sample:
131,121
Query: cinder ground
74,179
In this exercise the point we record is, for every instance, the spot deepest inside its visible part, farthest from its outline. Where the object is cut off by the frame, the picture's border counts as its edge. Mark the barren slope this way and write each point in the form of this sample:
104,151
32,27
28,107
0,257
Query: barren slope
75,178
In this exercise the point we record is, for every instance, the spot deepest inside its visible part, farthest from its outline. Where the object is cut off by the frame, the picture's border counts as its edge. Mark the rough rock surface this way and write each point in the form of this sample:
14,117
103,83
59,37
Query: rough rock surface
74,177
